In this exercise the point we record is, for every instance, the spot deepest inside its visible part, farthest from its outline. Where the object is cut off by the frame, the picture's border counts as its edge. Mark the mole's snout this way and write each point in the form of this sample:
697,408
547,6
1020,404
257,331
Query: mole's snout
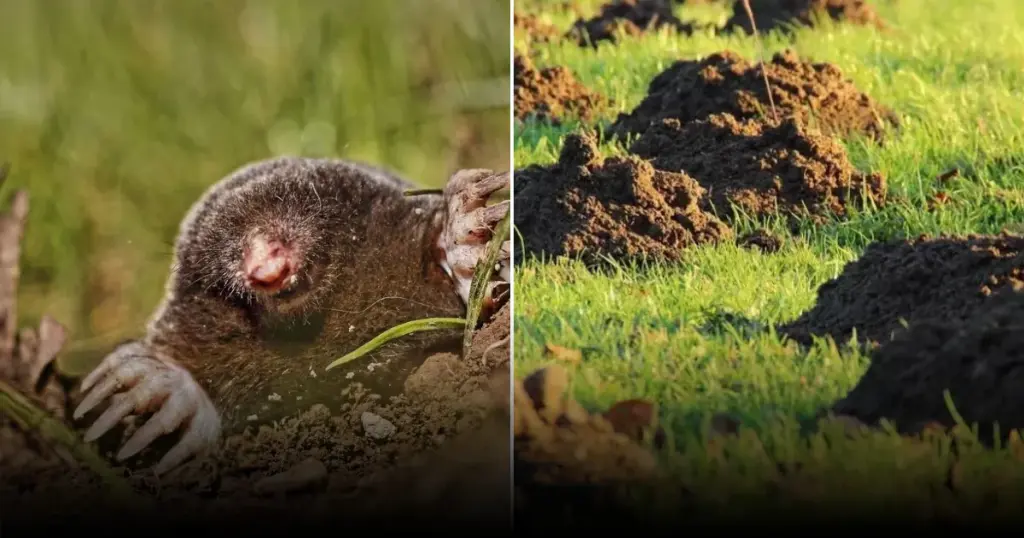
269,265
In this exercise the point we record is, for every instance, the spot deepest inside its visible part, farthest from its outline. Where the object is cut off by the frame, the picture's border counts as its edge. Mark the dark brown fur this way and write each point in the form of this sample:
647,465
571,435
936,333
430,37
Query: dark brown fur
372,249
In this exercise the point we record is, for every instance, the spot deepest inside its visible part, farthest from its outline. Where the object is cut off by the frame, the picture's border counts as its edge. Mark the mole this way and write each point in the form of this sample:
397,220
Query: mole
280,267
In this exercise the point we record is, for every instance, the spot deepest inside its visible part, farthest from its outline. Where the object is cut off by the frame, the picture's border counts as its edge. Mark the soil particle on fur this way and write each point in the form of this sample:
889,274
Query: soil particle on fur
814,93
781,14
761,168
945,278
552,94
438,451
567,458
632,17
534,29
620,207
978,358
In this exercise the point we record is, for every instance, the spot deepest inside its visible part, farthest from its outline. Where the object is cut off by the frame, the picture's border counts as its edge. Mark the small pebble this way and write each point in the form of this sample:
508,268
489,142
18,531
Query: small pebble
275,397
377,426
251,418
306,475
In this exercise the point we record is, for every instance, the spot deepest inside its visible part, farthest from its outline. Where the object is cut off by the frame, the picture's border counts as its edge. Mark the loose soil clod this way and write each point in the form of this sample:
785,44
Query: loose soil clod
633,17
552,94
815,94
943,278
534,29
781,14
621,207
762,168
565,455
978,358
762,240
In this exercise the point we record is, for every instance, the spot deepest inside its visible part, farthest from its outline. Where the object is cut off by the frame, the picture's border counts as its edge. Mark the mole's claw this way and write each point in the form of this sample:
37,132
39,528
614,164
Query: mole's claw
123,375
203,431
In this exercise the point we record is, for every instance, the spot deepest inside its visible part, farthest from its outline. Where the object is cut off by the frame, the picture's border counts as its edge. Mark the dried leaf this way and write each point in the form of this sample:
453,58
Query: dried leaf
573,356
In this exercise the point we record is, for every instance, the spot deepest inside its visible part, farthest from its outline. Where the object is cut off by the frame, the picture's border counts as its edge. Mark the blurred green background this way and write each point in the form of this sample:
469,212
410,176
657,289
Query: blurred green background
117,115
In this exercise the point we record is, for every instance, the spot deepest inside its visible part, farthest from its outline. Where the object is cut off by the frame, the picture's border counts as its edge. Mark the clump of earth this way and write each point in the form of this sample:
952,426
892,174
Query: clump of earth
438,446
783,14
534,29
815,94
978,358
552,94
944,278
632,17
568,459
761,167
591,207
761,240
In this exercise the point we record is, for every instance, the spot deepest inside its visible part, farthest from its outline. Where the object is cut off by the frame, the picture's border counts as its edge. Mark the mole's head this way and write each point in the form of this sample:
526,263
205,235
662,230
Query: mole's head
267,245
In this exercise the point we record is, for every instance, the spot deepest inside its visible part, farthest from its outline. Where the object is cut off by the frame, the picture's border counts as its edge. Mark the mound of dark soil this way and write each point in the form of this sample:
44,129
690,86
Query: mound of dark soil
943,278
553,93
621,207
813,93
633,17
762,168
569,460
781,14
534,29
446,453
978,358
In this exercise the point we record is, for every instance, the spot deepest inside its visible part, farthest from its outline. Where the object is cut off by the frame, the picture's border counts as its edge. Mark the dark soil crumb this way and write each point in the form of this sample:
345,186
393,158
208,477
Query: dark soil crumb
534,29
445,452
620,207
634,17
814,93
762,240
552,94
762,168
781,14
978,358
944,278
567,459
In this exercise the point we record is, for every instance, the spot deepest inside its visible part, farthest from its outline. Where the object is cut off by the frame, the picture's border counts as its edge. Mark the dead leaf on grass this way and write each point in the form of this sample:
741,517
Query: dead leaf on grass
572,356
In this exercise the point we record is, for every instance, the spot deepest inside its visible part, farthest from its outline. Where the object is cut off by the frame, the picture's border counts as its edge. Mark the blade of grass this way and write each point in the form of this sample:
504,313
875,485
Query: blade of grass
398,331
30,417
481,277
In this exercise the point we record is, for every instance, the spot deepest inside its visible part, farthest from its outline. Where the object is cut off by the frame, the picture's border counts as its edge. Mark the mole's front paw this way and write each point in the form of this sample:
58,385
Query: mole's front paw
136,383
470,223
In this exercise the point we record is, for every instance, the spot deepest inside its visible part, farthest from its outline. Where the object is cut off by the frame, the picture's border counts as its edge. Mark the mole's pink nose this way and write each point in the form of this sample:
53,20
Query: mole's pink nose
268,264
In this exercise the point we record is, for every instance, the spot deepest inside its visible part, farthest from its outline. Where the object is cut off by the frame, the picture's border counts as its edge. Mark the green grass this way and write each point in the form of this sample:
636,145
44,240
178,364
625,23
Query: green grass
116,116
952,70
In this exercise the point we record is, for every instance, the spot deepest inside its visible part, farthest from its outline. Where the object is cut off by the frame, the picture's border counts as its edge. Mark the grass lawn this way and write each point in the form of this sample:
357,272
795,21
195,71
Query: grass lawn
954,71
117,116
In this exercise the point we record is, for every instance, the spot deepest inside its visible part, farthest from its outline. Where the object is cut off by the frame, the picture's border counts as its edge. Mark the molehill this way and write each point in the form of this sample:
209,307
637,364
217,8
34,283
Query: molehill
761,167
979,359
552,94
633,17
621,207
945,278
534,29
784,14
814,94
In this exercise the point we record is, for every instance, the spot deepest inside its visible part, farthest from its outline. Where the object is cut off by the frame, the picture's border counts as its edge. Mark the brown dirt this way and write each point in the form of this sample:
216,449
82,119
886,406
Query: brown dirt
763,168
621,207
944,278
814,93
566,456
779,14
534,29
552,94
979,359
447,459
762,240
634,17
